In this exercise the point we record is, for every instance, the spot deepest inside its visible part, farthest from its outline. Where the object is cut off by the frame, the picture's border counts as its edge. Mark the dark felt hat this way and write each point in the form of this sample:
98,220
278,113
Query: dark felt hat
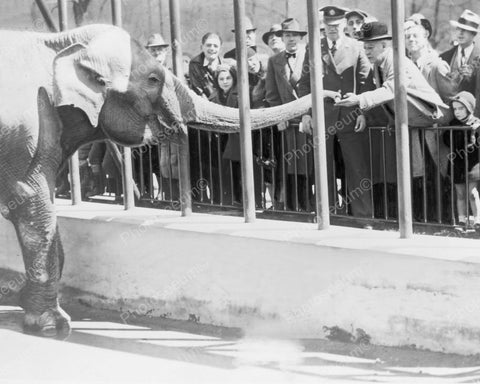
248,25
374,31
273,29
291,25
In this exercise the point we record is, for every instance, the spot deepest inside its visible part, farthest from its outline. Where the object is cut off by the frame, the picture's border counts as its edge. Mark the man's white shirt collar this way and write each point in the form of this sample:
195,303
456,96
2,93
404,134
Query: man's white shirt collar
337,45
213,65
468,53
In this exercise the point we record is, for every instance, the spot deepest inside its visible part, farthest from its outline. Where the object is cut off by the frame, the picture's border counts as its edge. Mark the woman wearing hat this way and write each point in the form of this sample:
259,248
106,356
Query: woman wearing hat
464,57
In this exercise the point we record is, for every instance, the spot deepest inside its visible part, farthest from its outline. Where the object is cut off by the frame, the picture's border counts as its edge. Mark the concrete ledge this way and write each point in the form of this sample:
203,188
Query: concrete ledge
271,277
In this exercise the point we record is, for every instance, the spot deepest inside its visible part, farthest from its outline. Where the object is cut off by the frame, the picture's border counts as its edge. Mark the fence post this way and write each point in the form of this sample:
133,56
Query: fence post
73,162
401,122
318,116
46,16
244,107
128,195
183,153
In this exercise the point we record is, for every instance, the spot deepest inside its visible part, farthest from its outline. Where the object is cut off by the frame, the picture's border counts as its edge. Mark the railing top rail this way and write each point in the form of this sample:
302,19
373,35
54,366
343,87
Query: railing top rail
440,127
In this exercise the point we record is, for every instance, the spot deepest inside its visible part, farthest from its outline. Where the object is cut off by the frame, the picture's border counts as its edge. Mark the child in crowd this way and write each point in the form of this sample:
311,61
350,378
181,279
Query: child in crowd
225,93
465,156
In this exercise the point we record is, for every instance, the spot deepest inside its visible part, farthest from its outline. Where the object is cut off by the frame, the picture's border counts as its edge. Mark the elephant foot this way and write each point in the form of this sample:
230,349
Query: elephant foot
53,323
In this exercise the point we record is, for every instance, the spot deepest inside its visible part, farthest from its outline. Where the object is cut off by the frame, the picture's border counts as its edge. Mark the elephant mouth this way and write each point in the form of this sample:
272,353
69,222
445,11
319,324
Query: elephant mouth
157,130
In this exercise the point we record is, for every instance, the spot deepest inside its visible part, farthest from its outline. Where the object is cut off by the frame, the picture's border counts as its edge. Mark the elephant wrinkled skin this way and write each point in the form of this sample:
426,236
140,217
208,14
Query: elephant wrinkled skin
60,91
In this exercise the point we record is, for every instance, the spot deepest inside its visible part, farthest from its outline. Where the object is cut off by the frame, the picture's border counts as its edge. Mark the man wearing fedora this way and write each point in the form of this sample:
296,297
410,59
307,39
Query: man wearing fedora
345,70
158,47
273,40
283,74
251,39
425,107
464,57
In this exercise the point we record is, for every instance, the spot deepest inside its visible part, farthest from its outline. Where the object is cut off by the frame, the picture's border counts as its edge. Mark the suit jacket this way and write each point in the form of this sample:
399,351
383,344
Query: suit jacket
423,102
464,83
347,71
201,79
280,88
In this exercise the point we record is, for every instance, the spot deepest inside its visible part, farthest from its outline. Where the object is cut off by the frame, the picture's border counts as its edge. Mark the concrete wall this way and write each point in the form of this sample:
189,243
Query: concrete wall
279,278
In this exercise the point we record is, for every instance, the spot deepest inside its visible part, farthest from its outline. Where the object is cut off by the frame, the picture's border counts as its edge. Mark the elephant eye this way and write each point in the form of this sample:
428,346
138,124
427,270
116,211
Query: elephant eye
100,80
153,78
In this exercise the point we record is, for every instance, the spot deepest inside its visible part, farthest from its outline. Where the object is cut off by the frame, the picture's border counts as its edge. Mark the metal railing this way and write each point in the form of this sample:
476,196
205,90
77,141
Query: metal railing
281,192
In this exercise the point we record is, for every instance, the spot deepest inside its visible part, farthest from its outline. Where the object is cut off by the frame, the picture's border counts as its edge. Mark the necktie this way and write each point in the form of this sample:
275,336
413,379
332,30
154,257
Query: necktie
291,57
463,59
333,49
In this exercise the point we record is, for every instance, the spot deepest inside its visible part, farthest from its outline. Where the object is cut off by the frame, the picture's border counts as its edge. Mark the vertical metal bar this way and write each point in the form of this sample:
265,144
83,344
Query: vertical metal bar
46,16
401,121
200,165
62,15
334,185
295,164
274,169
467,187
73,162
210,167
128,195
424,179
284,190
220,166
262,172
161,187
142,171
371,170
307,190
183,153
232,186
320,149
244,106
438,180
384,172
452,188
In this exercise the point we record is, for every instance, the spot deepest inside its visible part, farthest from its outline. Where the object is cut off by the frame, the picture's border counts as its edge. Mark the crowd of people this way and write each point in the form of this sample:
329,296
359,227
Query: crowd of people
358,80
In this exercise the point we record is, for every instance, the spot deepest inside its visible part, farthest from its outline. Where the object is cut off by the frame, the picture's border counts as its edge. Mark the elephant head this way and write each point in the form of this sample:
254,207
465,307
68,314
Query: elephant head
134,100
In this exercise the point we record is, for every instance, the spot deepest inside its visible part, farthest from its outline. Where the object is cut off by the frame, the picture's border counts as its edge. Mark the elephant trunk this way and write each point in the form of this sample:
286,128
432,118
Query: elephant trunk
201,114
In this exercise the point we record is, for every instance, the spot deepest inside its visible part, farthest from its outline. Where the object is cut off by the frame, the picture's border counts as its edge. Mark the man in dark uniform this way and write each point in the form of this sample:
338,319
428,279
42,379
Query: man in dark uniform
345,69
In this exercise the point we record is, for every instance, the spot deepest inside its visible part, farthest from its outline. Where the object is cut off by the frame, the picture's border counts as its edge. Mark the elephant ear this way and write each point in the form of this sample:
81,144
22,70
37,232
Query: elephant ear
83,74
77,83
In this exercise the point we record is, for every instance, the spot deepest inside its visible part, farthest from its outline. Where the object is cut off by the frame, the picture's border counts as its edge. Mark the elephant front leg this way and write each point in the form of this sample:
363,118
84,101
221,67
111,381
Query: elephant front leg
35,223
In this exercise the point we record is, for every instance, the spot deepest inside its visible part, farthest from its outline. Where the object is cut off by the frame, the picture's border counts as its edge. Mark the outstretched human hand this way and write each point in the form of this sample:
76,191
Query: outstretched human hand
350,100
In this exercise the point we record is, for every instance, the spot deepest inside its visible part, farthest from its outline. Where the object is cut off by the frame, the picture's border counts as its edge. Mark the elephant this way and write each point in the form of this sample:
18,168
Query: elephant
59,91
